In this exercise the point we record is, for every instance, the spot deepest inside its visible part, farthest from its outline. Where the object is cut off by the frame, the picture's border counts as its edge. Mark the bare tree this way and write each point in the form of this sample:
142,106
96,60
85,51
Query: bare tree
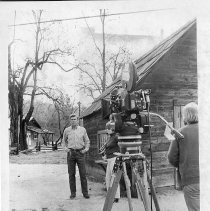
24,79
63,107
98,76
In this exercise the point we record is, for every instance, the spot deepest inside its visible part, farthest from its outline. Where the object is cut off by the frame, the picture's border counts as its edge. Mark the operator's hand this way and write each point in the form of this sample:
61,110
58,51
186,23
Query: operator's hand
104,157
83,151
172,132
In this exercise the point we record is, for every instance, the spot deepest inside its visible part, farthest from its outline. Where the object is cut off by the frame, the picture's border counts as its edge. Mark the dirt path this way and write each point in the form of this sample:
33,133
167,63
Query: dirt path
45,187
41,186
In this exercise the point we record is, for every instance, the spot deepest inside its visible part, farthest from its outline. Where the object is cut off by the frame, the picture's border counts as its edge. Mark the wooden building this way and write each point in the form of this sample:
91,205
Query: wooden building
170,71
36,135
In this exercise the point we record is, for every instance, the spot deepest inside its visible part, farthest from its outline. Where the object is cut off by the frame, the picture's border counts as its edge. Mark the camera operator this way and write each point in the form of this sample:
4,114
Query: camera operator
184,154
111,147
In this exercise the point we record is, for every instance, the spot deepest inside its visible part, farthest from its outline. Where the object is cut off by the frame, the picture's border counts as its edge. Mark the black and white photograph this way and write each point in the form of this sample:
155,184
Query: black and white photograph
105,105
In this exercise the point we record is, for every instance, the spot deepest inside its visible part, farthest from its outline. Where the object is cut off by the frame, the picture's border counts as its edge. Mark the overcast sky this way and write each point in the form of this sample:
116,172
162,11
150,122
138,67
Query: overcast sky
140,23
145,23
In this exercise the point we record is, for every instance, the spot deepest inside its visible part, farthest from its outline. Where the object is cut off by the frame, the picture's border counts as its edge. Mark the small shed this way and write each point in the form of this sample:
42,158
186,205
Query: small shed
37,135
170,71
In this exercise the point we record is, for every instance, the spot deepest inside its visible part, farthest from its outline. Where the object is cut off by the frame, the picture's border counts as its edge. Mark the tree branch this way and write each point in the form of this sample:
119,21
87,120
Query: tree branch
93,38
62,68
28,77
91,76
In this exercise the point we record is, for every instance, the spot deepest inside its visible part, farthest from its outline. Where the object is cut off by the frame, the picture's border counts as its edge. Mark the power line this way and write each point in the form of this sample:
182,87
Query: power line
93,16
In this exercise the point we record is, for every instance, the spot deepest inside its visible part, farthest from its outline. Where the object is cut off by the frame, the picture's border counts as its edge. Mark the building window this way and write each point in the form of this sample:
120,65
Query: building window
35,135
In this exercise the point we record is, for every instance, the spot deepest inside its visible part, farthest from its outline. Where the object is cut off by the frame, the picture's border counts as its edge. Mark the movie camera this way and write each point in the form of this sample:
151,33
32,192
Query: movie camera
129,109
126,105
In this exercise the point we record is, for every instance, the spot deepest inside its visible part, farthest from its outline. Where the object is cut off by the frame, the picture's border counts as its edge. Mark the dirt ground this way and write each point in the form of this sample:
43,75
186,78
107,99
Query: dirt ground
40,182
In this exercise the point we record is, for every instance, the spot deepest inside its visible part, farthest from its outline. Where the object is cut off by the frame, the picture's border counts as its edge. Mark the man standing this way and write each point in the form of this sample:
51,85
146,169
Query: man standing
184,154
76,143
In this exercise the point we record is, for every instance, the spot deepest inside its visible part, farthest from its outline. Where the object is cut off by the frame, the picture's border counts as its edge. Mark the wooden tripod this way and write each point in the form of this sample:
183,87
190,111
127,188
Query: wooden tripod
142,180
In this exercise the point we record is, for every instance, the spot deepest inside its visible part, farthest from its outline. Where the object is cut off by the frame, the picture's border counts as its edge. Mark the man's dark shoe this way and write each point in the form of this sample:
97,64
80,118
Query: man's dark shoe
72,196
86,196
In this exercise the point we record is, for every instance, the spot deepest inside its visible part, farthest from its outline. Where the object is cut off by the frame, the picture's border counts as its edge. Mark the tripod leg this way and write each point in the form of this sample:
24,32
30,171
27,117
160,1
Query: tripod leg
154,196
142,188
127,184
138,191
112,191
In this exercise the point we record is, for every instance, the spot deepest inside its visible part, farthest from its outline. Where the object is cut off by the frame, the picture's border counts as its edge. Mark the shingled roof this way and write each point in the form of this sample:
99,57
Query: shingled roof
143,64
38,130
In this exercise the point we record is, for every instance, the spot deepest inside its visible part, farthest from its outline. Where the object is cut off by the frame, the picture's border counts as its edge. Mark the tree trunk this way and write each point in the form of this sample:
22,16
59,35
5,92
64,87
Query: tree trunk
13,108
22,123
14,128
22,135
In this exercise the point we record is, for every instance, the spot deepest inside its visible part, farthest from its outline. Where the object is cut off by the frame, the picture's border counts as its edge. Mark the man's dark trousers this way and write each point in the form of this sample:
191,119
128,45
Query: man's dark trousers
76,157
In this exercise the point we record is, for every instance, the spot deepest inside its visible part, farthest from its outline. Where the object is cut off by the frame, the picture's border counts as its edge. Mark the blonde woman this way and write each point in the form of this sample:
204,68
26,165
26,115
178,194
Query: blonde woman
184,154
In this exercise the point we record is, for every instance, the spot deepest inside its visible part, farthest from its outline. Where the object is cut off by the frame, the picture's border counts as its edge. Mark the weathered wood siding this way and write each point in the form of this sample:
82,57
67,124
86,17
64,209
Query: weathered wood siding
93,124
175,76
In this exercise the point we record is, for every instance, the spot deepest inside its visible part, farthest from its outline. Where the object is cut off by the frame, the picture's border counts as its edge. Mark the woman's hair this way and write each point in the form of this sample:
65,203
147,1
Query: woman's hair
190,113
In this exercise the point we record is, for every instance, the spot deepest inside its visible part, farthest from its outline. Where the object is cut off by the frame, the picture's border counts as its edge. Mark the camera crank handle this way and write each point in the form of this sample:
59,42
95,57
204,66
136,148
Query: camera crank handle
179,135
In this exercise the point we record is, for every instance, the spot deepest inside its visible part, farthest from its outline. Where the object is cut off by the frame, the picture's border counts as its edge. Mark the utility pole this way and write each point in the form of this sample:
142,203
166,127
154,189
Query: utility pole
102,16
